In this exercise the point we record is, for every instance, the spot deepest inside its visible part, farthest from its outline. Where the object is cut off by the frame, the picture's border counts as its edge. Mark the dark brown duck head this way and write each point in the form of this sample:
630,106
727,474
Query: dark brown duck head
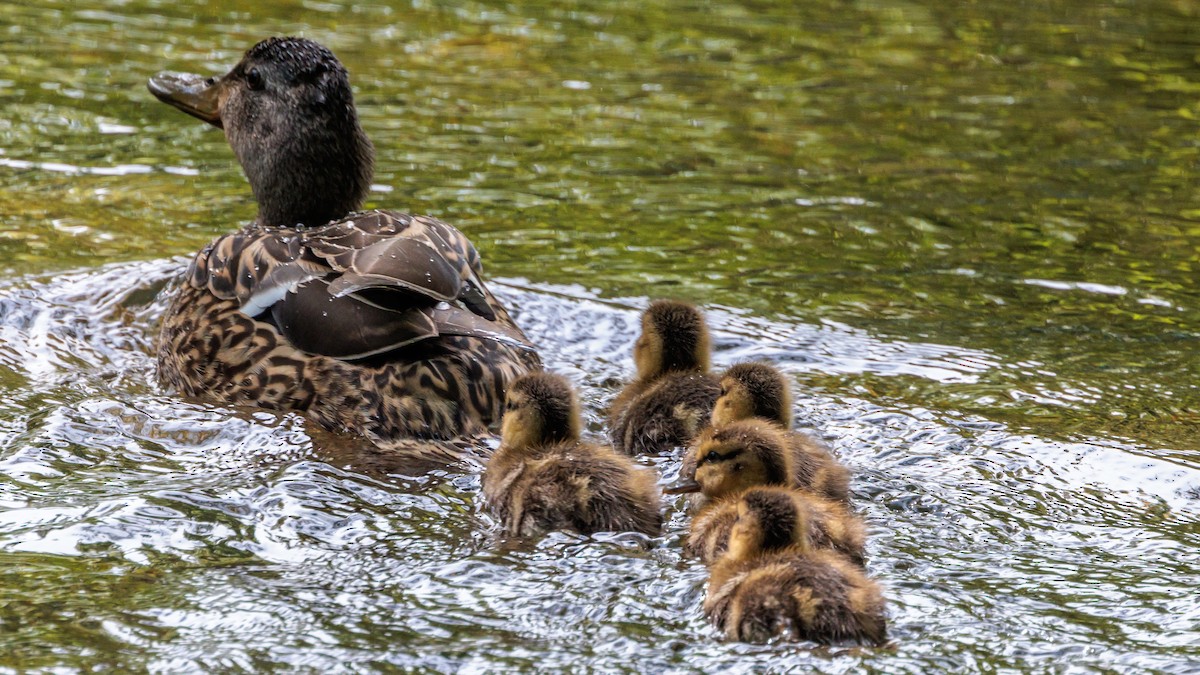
753,390
540,409
674,339
288,112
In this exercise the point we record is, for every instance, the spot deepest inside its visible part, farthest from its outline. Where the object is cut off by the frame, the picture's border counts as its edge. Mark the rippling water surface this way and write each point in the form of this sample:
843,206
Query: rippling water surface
969,234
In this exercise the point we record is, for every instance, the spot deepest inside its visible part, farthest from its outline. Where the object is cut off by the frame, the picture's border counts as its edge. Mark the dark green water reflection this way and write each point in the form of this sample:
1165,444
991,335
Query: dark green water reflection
970,230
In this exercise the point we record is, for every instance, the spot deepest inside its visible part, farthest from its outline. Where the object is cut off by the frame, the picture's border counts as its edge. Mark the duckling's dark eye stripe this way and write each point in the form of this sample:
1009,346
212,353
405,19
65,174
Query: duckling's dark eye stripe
714,456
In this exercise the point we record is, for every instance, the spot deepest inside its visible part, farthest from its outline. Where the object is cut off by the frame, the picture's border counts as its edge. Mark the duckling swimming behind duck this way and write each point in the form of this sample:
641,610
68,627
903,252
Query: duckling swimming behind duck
824,524
672,396
772,582
372,322
760,391
730,459
544,477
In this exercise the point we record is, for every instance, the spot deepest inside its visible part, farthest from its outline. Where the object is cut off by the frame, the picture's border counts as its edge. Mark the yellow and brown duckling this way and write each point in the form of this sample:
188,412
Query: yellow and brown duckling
727,462
759,391
730,459
773,583
543,477
829,524
672,396
373,322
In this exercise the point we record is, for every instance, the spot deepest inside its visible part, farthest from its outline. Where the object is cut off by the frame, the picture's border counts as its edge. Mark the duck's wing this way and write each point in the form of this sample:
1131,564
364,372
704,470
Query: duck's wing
362,286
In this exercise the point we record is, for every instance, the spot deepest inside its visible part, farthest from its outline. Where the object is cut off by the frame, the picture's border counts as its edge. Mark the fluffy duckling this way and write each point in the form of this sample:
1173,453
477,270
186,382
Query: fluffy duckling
753,455
827,524
729,459
759,390
772,582
673,394
543,477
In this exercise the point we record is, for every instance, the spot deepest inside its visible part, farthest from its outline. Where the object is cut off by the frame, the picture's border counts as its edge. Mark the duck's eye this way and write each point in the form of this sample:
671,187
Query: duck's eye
712,456
254,78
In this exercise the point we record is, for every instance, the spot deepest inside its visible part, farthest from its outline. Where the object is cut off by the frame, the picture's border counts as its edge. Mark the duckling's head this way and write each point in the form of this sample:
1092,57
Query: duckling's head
288,113
539,409
674,338
726,460
753,390
768,519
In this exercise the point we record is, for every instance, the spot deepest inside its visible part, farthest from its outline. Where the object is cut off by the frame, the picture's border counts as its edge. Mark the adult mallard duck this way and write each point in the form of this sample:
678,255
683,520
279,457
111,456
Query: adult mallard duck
374,322
544,477
672,396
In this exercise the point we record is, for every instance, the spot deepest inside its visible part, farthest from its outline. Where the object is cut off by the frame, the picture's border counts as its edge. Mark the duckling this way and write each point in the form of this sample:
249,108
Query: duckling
373,322
543,477
773,583
729,461
759,390
673,394
828,524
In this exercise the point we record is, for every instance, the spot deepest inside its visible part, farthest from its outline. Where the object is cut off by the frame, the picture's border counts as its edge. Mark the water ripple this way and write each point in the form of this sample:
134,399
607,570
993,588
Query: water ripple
232,527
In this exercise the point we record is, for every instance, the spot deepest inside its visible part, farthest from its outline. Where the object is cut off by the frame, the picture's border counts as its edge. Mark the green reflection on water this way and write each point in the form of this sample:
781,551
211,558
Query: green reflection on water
901,168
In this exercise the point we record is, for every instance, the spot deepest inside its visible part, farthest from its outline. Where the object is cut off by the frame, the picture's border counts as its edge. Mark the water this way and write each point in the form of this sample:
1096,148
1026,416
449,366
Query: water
967,233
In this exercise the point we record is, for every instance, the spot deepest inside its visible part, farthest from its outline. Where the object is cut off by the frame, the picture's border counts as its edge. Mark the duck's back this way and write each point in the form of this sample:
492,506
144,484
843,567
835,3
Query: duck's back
378,324
818,596
831,525
816,469
663,414
574,486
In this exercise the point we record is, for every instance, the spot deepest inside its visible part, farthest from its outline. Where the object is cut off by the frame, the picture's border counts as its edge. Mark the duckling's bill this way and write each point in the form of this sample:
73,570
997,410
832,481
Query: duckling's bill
682,486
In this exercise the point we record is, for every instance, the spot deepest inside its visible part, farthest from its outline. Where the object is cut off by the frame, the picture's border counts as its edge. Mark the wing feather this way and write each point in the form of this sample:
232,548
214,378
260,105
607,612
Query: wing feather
361,286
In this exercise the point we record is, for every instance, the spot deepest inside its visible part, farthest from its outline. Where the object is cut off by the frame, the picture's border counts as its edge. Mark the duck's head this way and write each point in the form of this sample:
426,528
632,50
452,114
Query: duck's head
674,338
726,460
768,519
753,390
288,112
539,409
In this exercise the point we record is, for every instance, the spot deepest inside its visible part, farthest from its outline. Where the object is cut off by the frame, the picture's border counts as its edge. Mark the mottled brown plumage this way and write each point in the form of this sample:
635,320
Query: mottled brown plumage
825,524
760,391
672,396
376,322
772,583
544,477
727,460
753,390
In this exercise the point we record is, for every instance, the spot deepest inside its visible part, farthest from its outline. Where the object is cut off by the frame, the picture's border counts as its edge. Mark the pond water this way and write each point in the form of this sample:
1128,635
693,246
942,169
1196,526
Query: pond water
969,232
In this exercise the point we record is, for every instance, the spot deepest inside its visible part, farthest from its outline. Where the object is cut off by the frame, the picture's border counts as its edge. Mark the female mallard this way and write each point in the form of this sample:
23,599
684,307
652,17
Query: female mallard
544,477
374,322
672,396
772,582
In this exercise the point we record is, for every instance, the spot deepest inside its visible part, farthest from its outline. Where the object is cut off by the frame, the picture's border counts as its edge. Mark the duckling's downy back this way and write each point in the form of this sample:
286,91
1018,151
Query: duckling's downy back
672,396
543,477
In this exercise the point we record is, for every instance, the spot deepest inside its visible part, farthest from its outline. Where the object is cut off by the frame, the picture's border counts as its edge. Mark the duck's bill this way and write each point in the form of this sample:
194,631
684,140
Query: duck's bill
682,487
195,95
